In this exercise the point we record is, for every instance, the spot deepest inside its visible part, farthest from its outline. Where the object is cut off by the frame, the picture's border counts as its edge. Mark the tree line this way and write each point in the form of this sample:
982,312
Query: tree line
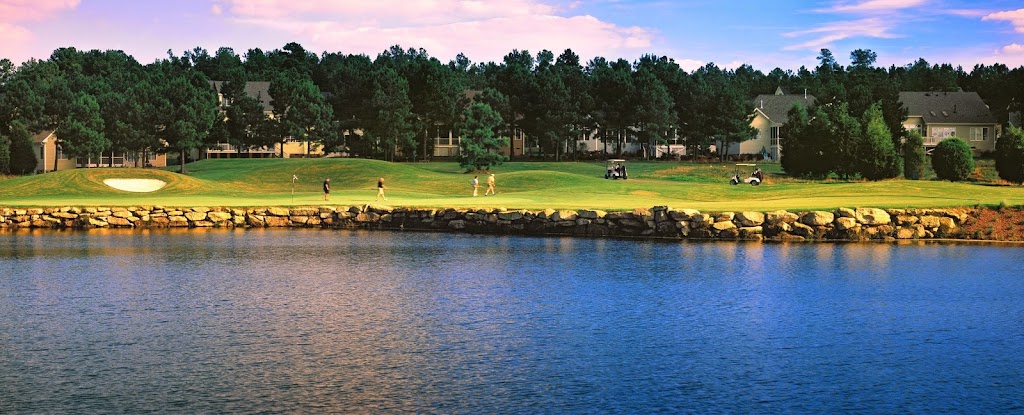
105,102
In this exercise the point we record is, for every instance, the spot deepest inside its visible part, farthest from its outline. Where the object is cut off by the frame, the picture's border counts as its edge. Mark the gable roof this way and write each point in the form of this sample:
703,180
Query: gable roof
776,106
255,89
947,107
42,136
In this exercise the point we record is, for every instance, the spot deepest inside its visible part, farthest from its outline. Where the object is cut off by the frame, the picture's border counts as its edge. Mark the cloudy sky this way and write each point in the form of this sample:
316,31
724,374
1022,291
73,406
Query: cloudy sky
765,34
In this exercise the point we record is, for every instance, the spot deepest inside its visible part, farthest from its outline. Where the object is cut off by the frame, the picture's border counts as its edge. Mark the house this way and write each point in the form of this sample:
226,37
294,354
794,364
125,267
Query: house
51,158
446,141
254,89
940,115
770,113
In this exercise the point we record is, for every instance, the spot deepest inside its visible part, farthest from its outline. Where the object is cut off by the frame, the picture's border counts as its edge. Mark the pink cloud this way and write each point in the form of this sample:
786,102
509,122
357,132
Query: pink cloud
1015,17
14,34
482,30
32,10
1013,49
393,11
872,6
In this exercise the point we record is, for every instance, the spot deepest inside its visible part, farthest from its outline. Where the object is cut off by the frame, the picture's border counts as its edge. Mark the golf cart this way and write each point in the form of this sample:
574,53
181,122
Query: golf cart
616,169
755,177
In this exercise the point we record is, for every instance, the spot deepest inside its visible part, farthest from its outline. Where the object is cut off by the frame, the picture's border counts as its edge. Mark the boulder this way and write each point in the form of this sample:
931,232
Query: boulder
682,215
846,213
723,225
749,219
873,216
845,223
780,216
562,215
817,218
218,216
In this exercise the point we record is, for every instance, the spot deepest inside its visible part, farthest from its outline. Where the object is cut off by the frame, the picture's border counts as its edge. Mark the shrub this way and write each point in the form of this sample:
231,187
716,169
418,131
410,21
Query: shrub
23,156
5,155
1010,155
952,160
913,156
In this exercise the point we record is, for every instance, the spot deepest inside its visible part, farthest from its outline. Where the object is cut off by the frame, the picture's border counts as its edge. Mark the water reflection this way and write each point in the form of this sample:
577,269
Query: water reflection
281,320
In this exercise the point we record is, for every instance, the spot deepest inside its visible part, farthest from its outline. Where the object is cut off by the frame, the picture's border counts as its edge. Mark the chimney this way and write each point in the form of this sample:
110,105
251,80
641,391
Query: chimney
805,93
762,104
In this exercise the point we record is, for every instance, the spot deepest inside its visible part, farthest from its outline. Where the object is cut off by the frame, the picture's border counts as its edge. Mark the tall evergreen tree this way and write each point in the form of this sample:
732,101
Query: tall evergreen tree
913,156
480,146
878,157
82,132
391,128
23,156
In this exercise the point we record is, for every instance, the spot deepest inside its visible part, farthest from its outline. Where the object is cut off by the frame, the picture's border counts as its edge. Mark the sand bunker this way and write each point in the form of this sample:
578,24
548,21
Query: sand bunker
135,185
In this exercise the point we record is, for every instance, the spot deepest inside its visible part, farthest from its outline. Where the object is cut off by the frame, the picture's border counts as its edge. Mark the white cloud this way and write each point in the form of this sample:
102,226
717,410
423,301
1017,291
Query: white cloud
1015,17
829,33
872,6
484,31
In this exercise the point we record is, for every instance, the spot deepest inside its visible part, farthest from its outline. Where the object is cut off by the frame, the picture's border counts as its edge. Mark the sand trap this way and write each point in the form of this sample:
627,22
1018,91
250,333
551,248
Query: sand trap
135,185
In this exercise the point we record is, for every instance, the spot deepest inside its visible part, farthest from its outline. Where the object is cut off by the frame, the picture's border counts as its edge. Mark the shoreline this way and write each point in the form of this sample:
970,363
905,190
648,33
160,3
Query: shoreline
966,224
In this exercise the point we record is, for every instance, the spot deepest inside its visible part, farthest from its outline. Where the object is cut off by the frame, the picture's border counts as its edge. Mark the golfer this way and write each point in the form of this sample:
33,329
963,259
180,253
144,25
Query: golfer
490,185
327,188
476,184
380,190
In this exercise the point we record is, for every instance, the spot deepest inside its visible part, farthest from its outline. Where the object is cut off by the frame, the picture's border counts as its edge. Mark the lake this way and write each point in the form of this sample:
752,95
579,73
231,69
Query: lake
328,321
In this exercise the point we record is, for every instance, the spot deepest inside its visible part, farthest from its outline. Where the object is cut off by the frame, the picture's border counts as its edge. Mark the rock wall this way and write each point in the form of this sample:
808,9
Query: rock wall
658,222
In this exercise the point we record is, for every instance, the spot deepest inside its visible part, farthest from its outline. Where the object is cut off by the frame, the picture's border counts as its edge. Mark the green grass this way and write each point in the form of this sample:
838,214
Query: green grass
525,185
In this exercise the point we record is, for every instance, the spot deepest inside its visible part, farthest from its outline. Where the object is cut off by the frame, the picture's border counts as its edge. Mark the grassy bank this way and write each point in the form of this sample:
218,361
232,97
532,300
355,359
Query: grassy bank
268,182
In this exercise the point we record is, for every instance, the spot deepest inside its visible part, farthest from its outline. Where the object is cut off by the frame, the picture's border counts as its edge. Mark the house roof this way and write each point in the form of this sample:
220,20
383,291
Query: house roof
255,89
776,107
42,136
947,107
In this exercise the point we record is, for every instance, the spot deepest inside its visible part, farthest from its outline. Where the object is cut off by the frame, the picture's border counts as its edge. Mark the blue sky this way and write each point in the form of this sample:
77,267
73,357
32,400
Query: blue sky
783,33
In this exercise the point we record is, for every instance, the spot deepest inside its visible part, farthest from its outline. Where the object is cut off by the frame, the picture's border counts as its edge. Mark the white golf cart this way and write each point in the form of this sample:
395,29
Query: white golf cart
616,169
755,179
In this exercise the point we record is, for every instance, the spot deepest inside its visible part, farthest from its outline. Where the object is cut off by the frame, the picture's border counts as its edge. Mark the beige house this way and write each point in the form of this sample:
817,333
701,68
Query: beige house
51,158
770,113
941,115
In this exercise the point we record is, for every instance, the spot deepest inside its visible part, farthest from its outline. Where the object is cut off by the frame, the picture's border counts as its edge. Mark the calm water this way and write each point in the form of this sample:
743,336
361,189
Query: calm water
288,321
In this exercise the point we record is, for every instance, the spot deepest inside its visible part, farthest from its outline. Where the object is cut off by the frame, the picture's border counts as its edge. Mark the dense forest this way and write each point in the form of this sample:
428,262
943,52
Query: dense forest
107,102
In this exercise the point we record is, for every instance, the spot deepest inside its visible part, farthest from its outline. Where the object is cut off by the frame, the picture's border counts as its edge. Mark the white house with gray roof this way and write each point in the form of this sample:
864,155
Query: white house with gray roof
771,111
941,115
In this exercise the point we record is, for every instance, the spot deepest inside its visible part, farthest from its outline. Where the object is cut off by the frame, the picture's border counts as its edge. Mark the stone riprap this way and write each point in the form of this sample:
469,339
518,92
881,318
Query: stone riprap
842,224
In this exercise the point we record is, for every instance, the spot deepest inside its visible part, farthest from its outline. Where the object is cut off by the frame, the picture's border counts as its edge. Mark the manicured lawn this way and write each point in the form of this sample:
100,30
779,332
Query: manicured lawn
521,185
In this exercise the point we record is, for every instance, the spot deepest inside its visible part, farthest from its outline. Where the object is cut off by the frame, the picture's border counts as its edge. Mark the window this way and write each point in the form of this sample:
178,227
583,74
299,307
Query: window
979,133
943,132
776,133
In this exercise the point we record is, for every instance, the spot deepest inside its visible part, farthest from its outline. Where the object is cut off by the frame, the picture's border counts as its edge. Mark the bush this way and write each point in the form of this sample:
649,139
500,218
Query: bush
952,160
23,156
5,155
1010,155
913,156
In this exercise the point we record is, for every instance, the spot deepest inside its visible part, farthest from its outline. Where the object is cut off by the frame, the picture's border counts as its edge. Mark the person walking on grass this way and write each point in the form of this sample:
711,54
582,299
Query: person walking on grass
380,190
490,185
476,184
327,189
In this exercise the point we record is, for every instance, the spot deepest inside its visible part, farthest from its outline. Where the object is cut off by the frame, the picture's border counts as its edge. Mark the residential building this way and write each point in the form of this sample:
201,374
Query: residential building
941,115
771,112
51,158
261,91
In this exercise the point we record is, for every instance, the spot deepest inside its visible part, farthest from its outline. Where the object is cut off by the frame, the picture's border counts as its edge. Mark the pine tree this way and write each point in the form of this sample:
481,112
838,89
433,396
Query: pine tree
480,148
878,157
